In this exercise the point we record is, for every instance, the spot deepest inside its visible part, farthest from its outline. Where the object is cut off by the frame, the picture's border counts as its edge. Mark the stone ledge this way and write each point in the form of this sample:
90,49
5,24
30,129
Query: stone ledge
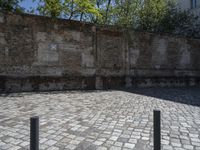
49,83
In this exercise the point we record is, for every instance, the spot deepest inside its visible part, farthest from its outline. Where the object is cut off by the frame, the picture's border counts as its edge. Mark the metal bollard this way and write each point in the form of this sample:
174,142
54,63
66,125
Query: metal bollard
157,136
34,133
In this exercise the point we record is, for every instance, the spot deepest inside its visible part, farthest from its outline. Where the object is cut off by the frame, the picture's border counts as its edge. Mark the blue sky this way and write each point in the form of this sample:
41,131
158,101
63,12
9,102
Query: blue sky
27,4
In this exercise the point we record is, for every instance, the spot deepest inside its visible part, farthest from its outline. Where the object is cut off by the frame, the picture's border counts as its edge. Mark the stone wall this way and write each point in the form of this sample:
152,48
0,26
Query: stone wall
39,53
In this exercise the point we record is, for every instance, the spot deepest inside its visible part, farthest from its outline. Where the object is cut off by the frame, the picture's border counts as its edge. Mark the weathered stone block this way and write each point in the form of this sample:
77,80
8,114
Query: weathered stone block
1,18
159,56
87,60
47,52
99,83
72,35
2,39
41,54
69,46
133,56
41,37
185,56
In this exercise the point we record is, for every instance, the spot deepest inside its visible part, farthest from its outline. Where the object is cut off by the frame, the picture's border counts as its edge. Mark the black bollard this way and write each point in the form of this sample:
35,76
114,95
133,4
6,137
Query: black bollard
157,136
34,133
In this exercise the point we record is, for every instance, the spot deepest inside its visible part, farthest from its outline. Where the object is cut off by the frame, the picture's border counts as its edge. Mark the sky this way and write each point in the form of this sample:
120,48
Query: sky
27,4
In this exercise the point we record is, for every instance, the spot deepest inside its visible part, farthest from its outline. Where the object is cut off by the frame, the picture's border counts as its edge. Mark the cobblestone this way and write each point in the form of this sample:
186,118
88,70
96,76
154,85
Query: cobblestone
102,120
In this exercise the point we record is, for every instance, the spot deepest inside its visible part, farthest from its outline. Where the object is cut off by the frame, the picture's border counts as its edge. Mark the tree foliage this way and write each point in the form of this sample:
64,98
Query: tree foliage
164,16
126,12
83,9
148,15
10,5
71,9
51,8
151,13
179,22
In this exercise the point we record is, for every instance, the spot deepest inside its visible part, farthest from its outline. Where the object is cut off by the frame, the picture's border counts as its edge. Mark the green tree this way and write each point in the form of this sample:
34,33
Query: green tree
82,9
51,8
151,13
71,9
179,22
10,5
126,12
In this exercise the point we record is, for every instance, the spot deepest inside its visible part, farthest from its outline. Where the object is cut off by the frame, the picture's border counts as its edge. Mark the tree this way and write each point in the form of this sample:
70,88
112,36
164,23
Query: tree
71,9
83,8
126,12
51,8
10,5
146,15
180,22
151,14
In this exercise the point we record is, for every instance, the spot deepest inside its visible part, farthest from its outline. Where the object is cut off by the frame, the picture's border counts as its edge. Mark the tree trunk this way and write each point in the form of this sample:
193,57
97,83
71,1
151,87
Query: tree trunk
81,17
72,11
107,9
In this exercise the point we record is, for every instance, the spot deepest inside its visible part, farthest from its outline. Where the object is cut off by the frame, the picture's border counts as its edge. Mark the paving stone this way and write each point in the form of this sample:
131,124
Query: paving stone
43,146
115,148
53,148
134,141
188,147
114,138
119,144
98,143
102,119
129,145
167,147
71,147
15,148
50,142
102,148
24,144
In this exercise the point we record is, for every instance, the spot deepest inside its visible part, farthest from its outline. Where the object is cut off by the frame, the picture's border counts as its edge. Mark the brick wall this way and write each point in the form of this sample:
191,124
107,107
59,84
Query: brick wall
39,53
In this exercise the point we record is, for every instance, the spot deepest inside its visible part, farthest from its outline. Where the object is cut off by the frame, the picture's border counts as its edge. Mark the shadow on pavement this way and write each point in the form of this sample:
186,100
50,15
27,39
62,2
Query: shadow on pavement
189,95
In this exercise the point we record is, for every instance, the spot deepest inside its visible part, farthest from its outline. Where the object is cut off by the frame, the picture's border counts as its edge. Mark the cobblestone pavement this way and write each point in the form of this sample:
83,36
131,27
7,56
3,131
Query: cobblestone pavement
100,120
